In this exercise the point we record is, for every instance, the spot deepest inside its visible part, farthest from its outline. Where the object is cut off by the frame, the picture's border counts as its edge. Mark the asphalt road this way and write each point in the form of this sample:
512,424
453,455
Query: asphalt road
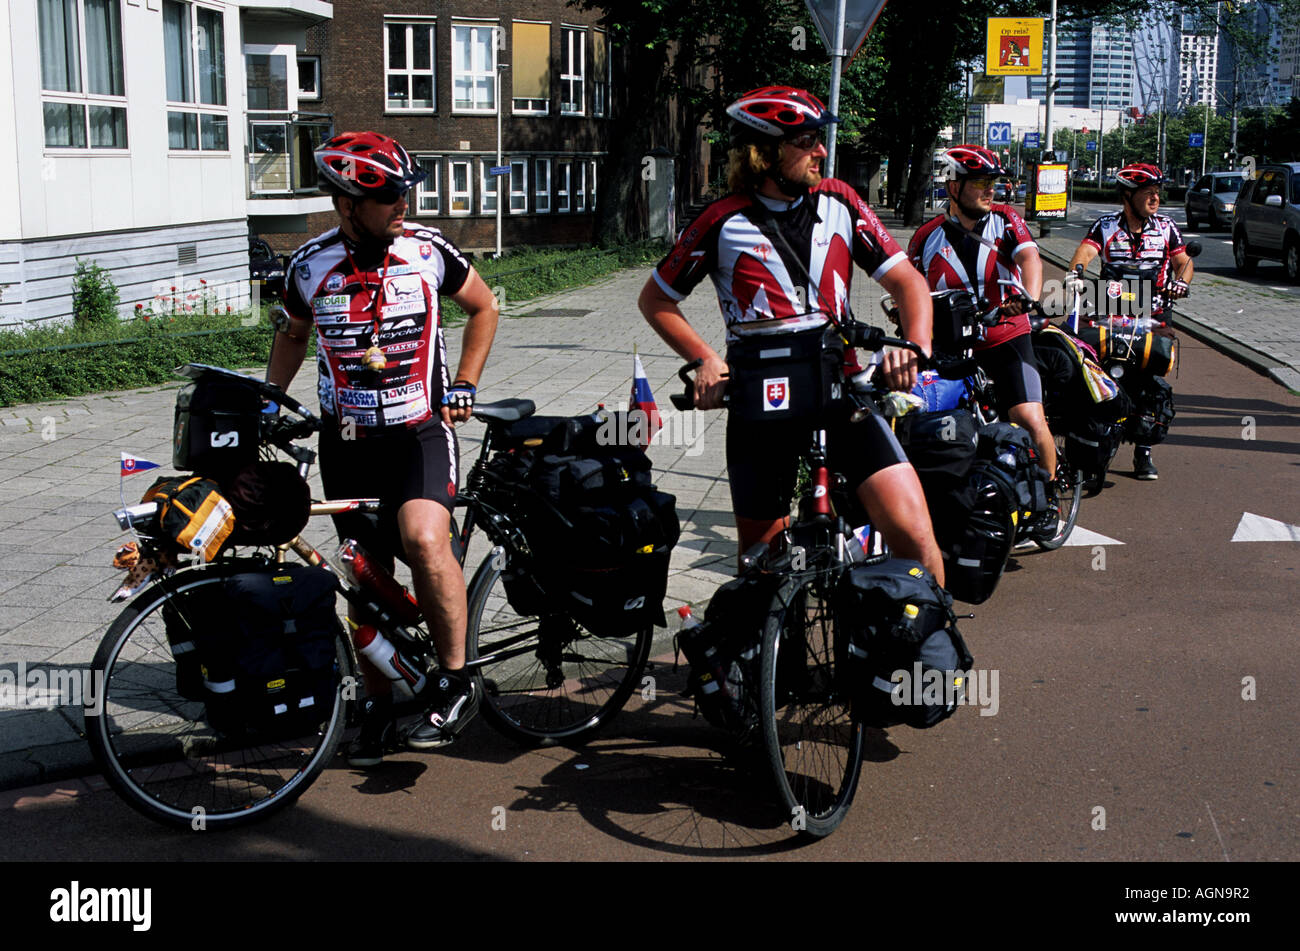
1146,709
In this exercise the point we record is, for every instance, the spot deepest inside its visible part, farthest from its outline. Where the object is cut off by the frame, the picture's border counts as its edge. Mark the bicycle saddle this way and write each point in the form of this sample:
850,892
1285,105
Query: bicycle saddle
505,411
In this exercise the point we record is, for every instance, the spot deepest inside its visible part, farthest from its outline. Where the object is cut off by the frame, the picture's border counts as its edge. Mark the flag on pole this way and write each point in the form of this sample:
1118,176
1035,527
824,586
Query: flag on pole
642,401
133,464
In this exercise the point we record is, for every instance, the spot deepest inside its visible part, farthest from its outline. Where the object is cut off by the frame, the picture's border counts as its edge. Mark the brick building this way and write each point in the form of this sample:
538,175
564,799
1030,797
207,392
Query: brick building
441,78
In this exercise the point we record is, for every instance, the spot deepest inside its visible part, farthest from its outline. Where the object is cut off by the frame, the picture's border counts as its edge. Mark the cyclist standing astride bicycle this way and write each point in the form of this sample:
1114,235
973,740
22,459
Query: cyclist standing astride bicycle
371,288
1136,234
973,246
775,182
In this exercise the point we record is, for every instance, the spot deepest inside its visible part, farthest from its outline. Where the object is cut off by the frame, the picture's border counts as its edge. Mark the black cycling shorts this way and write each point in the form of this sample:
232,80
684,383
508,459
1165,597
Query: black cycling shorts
1013,368
763,457
419,462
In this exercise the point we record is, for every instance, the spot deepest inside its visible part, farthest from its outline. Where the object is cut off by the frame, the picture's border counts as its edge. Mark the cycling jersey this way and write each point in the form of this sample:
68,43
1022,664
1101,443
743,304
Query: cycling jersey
387,300
733,241
1158,242
950,257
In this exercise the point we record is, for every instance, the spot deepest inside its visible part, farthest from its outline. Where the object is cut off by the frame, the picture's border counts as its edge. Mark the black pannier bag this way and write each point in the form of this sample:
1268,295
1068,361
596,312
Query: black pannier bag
1149,423
941,448
976,546
1090,445
217,426
1010,449
272,665
904,656
733,628
792,376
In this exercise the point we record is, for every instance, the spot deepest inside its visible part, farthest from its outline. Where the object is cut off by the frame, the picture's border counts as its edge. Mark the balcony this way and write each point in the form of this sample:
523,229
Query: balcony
282,178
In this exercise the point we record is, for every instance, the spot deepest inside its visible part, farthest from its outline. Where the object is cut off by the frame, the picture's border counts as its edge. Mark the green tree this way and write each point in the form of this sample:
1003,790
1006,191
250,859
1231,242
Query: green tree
94,295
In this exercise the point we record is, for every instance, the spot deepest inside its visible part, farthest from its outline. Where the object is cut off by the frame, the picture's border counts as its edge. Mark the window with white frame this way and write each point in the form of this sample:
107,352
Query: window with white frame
542,185
599,73
591,194
473,67
487,187
580,190
428,193
309,78
83,91
460,186
573,62
530,68
194,55
563,177
408,65
518,186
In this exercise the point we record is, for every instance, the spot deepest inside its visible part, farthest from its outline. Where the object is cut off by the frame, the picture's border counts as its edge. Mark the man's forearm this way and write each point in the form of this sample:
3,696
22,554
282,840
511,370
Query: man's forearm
476,342
287,354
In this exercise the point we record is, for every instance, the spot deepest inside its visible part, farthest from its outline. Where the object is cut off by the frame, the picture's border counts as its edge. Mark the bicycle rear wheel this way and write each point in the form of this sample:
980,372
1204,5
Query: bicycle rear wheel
545,678
154,744
814,744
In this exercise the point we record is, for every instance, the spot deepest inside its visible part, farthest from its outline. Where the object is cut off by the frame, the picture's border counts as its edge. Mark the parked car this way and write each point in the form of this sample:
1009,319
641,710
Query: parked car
1021,191
1212,200
1266,220
265,266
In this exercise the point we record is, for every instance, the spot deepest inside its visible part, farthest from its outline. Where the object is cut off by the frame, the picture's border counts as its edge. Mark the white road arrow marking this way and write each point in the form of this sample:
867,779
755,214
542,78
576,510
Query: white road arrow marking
1083,538
1257,528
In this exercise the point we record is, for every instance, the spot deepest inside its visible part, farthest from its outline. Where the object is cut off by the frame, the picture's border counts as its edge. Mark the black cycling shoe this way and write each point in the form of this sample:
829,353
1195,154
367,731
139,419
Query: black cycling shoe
1143,467
378,733
448,716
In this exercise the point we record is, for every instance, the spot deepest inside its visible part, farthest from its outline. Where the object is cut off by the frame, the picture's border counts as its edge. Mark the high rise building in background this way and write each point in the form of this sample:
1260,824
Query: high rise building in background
1095,65
1198,61
1262,76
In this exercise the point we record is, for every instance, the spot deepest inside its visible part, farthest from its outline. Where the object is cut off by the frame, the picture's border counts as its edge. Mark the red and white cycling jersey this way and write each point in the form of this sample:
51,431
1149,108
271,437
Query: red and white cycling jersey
733,243
1157,243
389,301
951,258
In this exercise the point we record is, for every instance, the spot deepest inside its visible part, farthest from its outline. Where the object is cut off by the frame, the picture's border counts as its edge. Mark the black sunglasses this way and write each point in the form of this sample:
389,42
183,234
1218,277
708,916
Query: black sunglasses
388,195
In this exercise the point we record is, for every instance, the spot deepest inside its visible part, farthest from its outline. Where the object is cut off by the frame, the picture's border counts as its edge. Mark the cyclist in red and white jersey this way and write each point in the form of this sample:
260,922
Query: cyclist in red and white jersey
370,287
976,244
1138,234
775,181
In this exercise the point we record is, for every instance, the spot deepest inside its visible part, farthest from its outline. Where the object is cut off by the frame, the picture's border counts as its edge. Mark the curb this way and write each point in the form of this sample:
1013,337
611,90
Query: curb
1257,360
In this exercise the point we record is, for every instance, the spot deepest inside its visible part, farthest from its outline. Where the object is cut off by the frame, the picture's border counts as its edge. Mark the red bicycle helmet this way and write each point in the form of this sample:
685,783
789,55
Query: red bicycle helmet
780,112
965,161
361,164
1132,177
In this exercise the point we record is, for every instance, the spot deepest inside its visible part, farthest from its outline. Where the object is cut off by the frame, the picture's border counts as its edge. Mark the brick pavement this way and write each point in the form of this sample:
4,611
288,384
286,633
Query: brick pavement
59,460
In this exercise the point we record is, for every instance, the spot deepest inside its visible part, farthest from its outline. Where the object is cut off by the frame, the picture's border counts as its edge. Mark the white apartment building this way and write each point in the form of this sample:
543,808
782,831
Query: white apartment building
144,135
1198,65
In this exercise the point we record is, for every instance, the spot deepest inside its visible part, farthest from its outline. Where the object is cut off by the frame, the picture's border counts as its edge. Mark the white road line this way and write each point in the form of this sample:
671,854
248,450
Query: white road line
1083,538
1257,528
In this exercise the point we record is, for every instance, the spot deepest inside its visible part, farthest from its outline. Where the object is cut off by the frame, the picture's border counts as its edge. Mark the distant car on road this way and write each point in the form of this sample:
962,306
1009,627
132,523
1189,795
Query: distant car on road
1212,200
1266,220
265,265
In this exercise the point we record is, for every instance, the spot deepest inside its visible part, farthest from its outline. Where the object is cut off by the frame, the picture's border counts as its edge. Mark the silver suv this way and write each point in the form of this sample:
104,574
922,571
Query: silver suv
1266,221
1212,199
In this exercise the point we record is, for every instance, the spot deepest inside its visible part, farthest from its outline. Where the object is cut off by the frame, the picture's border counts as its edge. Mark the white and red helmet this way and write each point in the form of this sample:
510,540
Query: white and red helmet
1132,177
779,112
364,164
968,161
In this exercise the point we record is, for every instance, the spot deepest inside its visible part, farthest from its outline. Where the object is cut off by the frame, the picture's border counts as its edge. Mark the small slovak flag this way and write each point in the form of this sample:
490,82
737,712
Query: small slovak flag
133,464
642,401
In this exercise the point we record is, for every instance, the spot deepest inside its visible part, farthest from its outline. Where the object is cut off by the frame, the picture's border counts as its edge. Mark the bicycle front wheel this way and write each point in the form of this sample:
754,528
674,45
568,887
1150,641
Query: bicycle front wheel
154,743
544,678
814,744
1069,497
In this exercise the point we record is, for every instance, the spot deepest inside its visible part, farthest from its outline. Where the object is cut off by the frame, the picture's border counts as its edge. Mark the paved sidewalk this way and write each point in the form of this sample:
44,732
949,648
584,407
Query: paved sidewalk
568,352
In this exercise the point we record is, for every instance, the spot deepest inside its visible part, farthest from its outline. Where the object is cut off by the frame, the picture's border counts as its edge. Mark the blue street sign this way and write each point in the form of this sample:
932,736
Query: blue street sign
1196,140
1031,140
1090,146
499,170
999,133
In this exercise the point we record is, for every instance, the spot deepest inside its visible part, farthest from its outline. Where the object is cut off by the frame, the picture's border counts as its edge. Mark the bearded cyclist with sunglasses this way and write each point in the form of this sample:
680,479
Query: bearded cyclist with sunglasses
1138,234
780,250
370,288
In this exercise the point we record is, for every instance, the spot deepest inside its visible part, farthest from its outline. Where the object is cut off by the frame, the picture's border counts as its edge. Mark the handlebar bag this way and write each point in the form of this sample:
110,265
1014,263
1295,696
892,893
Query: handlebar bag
904,671
271,663
956,323
795,376
217,425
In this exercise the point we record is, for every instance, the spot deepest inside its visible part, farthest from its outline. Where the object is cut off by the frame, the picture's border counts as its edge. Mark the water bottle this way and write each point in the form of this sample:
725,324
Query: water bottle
906,627
380,651
375,581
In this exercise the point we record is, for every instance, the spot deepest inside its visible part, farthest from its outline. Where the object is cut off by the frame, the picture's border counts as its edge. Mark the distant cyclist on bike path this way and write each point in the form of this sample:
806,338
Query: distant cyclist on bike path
775,184
973,246
1137,234
371,287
